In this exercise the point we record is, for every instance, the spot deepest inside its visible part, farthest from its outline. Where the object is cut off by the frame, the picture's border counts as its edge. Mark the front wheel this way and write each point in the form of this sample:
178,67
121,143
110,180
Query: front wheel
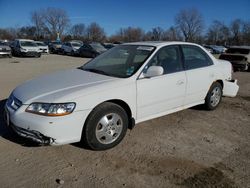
105,127
214,96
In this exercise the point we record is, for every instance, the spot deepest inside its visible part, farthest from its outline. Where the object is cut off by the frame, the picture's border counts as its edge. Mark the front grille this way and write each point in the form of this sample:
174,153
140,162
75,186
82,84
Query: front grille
5,50
31,53
13,102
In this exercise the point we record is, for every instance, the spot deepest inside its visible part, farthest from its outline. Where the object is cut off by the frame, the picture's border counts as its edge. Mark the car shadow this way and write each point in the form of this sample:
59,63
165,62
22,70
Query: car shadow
8,134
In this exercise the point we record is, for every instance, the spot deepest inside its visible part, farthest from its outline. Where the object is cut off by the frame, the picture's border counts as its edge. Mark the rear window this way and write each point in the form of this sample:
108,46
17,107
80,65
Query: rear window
238,51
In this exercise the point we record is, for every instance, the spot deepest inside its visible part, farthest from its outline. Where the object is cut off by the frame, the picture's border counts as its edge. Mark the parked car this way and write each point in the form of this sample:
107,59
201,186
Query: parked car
71,48
128,84
55,47
214,49
239,57
91,50
26,47
43,47
5,50
108,45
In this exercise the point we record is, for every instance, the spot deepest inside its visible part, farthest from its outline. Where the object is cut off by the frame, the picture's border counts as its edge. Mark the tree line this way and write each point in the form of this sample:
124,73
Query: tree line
189,26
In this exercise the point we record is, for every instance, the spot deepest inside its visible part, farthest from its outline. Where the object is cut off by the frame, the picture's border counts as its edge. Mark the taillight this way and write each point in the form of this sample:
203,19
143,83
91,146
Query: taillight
232,68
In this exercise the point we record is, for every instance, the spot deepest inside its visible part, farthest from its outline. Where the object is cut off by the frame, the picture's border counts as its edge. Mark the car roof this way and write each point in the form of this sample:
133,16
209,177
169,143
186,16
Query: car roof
25,40
240,47
158,43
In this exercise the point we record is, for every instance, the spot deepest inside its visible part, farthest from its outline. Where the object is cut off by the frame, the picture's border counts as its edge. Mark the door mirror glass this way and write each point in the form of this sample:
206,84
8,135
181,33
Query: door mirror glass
153,71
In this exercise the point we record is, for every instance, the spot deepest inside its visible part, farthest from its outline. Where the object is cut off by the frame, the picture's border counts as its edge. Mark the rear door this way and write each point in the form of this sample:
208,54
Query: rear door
200,73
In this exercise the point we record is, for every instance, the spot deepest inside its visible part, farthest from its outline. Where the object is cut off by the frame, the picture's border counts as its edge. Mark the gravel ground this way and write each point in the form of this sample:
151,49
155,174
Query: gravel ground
191,148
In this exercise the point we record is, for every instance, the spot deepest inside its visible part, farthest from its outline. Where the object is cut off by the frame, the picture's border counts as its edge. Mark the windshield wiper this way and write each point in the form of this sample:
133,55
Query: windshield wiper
95,71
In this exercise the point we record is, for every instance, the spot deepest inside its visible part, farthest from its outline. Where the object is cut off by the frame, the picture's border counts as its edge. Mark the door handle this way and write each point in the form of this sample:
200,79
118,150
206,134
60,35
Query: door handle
180,82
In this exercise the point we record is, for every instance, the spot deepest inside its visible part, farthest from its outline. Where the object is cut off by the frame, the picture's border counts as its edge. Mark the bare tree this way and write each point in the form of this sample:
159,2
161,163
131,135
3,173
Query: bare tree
246,33
56,20
236,28
132,34
172,34
190,23
27,32
78,31
218,33
38,21
95,32
157,33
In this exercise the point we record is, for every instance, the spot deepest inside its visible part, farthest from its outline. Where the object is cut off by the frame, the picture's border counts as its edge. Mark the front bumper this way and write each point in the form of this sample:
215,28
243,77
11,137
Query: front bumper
5,53
46,130
44,50
30,54
32,135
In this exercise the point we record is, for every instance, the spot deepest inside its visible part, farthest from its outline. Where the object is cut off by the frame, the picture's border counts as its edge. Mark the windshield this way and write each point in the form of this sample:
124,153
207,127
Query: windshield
98,47
75,44
56,42
40,44
28,43
238,51
121,61
3,43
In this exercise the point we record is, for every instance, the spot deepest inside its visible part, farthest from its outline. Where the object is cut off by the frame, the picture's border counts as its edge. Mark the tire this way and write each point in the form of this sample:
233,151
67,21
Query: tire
38,55
105,127
214,96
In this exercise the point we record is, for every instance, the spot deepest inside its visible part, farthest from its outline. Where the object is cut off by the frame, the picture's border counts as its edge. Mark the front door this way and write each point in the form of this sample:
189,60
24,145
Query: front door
162,94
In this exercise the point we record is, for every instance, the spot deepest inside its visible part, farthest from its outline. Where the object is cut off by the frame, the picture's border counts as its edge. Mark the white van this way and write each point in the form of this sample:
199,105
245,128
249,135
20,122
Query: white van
26,47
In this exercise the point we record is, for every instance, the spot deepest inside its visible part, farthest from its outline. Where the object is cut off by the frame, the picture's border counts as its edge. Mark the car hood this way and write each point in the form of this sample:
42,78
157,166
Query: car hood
4,46
53,87
30,48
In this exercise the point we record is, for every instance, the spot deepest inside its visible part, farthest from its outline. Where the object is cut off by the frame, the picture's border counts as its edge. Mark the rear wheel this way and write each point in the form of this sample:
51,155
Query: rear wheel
214,96
105,127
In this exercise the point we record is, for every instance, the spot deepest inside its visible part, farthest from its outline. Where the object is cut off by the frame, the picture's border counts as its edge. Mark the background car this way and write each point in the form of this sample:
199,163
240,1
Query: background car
238,56
70,47
43,47
91,50
26,47
55,47
108,45
5,50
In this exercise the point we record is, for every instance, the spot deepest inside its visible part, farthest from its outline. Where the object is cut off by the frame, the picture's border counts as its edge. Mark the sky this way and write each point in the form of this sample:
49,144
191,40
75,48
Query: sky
115,14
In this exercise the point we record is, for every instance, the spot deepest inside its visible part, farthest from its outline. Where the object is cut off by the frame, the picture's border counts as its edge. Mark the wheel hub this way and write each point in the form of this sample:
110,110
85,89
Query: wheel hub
109,128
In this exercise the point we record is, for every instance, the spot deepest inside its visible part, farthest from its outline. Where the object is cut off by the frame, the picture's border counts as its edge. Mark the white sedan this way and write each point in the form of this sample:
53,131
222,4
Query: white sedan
131,83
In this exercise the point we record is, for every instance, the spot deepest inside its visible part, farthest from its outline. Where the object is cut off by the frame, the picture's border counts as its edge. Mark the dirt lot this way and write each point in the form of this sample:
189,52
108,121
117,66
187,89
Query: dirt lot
191,148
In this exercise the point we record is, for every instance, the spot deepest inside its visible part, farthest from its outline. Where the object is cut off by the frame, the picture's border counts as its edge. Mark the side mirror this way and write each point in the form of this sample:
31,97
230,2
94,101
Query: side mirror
153,71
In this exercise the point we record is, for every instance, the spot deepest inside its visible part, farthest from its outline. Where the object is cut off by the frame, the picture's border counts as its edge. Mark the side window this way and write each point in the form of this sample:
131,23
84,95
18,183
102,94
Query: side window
169,58
195,57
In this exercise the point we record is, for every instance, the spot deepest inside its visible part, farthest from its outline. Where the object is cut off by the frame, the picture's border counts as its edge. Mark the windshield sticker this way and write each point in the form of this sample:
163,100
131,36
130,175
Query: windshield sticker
148,48
130,71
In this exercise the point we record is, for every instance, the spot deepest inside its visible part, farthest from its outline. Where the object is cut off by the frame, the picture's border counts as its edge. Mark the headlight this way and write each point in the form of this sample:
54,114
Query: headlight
23,50
50,109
